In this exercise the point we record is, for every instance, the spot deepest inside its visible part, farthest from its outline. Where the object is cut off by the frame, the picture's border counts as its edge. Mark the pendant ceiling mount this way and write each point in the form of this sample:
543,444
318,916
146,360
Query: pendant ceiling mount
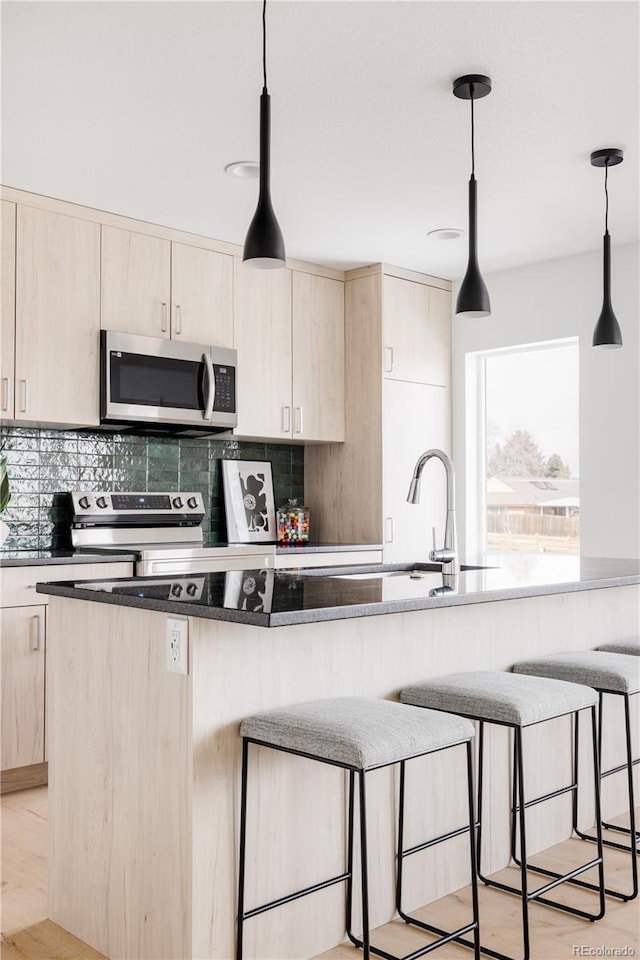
607,333
610,157
473,296
473,86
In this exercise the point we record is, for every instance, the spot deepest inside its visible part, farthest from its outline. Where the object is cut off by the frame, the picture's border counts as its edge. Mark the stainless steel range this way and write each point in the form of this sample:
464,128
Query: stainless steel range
164,530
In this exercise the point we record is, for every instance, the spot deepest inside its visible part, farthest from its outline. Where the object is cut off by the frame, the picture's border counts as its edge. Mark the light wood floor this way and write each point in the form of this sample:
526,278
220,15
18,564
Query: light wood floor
28,935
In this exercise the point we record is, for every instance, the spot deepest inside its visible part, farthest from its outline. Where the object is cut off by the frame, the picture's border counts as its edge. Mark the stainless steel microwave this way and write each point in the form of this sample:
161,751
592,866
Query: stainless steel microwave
167,384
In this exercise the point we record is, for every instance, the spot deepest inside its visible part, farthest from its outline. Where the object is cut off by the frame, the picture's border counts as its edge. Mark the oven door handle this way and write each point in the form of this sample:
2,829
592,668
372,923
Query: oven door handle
211,387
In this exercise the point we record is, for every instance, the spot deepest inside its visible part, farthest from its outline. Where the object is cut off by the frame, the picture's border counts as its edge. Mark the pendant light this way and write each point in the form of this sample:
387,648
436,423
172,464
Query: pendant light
473,297
264,243
607,333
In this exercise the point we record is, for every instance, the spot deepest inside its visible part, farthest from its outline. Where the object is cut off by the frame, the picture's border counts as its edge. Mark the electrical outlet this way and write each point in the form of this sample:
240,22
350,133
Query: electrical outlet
177,645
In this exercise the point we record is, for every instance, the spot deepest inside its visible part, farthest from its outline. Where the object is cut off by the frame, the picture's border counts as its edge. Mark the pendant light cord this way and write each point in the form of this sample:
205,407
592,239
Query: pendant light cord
264,46
606,195
473,139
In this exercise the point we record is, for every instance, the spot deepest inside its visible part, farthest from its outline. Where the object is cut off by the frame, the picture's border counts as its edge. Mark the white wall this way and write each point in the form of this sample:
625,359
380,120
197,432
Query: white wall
552,300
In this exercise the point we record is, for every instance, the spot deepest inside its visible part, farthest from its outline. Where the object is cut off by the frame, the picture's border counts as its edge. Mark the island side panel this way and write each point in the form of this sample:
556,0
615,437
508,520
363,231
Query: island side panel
119,782
299,805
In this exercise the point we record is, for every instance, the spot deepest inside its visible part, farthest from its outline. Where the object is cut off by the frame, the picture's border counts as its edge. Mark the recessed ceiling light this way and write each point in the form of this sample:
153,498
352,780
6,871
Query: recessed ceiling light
243,169
446,233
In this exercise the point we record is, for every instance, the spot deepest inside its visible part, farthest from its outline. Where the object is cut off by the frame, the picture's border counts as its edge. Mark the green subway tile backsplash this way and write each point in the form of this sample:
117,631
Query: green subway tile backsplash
44,465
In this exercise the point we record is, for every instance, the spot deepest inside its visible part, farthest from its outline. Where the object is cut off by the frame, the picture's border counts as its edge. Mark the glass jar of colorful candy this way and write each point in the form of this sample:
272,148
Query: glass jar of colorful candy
293,523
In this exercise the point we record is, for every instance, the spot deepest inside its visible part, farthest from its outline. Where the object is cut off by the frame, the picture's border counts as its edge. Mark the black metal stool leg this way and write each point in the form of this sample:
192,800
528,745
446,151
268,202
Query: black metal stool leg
364,866
628,765
631,830
596,734
243,848
519,774
479,808
570,877
472,853
400,850
514,805
349,919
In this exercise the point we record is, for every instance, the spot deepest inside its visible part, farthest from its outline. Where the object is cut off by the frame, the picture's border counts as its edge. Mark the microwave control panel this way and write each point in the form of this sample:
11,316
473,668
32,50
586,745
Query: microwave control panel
225,378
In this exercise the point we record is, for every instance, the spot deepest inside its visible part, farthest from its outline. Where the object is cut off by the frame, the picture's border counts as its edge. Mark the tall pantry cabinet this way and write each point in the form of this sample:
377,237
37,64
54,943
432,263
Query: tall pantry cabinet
398,396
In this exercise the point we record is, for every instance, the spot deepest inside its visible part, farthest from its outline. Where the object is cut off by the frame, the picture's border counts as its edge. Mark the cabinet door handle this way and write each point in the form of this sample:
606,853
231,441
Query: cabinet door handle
388,535
6,392
389,359
163,324
178,319
37,632
298,419
25,396
286,419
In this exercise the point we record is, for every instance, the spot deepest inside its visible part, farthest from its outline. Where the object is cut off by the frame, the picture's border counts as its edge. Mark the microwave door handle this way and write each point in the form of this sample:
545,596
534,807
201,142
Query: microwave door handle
211,387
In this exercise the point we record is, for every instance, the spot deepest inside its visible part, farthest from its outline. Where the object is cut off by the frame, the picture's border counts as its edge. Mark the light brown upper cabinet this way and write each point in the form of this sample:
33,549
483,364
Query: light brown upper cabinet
318,358
8,306
136,283
263,342
290,339
156,288
417,332
201,296
57,318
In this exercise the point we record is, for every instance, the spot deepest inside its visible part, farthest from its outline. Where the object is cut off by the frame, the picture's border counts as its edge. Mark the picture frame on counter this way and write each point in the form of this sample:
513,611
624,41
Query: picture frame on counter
249,501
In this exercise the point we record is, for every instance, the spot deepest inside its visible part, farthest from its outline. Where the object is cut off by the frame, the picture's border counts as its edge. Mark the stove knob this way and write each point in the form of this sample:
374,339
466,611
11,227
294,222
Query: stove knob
84,502
178,503
192,589
176,590
102,503
192,503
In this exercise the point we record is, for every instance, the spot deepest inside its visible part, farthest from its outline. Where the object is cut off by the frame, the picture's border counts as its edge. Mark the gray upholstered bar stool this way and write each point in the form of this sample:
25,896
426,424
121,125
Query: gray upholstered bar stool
630,646
358,734
517,702
611,674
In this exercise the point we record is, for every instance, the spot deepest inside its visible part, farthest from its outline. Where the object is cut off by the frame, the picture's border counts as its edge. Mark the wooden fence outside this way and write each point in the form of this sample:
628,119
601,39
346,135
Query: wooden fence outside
532,524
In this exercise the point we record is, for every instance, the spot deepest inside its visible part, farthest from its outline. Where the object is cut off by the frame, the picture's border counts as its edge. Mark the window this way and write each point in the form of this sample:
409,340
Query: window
527,456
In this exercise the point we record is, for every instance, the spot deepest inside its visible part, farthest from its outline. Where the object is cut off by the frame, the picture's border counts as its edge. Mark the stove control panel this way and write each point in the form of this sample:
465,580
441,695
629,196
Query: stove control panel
114,505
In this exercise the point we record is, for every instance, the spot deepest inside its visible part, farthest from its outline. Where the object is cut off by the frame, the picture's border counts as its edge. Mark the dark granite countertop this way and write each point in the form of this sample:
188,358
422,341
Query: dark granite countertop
270,598
42,558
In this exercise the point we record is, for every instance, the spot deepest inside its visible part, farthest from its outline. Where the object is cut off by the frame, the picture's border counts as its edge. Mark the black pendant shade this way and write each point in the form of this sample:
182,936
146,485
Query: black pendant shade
264,243
607,333
473,296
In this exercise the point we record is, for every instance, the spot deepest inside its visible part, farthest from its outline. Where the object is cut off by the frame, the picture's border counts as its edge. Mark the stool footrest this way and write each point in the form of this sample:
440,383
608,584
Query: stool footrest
580,883
294,896
436,840
619,768
607,843
423,951
619,829
457,937
561,878
558,879
548,796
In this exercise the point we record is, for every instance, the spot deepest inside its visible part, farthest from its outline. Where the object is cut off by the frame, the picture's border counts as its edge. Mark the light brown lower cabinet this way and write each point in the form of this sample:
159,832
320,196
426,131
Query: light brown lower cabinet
22,659
23,739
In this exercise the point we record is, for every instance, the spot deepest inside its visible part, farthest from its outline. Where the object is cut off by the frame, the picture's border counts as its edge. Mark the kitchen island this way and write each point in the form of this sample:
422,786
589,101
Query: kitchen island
144,764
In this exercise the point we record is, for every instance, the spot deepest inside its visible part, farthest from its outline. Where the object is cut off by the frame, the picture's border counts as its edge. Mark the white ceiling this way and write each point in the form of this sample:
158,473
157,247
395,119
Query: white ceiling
137,107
